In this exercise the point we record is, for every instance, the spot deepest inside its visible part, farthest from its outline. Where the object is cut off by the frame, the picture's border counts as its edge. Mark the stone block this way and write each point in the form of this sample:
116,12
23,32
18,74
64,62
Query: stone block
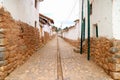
117,55
2,36
2,49
2,63
3,41
115,75
114,67
113,59
113,50
2,56
76,50
2,30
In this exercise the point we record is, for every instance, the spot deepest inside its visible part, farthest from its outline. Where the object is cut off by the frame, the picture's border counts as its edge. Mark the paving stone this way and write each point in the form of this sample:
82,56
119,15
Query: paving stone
43,65
77,67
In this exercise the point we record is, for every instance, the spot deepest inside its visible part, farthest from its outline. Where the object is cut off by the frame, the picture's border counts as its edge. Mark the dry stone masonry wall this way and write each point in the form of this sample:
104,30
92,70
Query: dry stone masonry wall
18,41
106,53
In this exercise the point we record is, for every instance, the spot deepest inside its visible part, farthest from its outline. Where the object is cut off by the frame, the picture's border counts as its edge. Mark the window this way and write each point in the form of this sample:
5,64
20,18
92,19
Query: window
35,24
95,30
90,9
35,3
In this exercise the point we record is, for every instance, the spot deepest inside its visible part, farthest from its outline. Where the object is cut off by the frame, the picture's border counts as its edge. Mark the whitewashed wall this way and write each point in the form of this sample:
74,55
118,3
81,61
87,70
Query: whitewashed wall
116,19
23,10
48,29
102,15
72,34
106,14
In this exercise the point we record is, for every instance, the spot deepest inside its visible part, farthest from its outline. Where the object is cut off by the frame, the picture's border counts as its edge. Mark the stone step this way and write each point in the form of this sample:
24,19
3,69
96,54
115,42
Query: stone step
78,47
76,50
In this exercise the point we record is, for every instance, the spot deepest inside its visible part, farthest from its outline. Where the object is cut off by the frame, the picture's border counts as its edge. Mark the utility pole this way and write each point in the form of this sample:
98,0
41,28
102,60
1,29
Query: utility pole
61,30
88,4
81,25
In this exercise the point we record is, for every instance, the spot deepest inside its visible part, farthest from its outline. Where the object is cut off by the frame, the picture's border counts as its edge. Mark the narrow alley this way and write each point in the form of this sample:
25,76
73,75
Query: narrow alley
59,40
43,65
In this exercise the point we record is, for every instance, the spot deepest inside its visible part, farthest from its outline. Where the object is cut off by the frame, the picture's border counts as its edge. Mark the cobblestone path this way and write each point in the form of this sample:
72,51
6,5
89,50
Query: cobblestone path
77,67
43,65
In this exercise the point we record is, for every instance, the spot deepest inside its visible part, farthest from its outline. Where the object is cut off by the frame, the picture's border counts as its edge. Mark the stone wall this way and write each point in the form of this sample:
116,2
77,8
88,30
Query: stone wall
18,41
105,53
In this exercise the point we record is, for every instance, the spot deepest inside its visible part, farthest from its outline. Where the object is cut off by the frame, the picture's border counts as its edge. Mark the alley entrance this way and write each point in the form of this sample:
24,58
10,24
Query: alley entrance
43,65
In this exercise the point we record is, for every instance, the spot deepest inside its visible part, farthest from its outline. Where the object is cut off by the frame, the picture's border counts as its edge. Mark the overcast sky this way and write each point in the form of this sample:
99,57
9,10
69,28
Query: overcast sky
61,11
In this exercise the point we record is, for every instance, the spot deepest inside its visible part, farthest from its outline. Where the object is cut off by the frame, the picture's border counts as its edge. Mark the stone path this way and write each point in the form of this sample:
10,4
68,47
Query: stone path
43,65
77,67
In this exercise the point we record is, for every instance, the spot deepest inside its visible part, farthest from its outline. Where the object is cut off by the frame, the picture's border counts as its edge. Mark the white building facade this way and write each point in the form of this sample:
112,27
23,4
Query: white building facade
105,15
73,32
104,20
24,10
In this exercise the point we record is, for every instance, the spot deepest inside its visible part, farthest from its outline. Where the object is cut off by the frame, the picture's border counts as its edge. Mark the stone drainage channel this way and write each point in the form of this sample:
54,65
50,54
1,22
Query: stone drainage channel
59,66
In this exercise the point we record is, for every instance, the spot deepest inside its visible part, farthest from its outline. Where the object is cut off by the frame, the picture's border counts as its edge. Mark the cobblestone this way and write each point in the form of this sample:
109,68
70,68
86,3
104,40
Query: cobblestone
43,65
77,67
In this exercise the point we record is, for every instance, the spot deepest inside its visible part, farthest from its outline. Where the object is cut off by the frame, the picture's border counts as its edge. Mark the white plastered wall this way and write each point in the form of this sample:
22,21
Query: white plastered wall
102,16
116,19
23,10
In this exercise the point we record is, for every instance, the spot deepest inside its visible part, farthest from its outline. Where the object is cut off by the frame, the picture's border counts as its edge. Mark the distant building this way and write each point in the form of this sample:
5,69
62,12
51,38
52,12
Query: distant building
46,25
72,32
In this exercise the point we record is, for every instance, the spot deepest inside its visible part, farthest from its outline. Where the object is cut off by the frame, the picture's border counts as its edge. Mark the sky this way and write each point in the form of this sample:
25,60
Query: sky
63,12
